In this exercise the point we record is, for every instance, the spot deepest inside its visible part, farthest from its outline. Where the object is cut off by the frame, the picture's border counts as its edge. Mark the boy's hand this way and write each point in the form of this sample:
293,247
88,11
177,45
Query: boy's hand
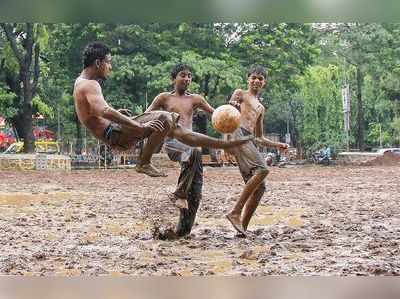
237,99
152,126
235,103
125,112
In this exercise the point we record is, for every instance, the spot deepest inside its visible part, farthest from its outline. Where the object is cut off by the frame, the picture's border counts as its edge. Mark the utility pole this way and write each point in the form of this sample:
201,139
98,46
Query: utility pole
346,105
346,112
287,136
58,123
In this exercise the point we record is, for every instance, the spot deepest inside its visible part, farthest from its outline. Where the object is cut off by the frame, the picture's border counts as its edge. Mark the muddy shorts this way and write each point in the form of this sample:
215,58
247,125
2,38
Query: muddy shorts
177,151
247,156
112,133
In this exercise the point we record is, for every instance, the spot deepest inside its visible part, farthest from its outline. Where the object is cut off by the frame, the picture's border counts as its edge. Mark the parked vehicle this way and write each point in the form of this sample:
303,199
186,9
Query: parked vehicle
6,139
322,156
395,150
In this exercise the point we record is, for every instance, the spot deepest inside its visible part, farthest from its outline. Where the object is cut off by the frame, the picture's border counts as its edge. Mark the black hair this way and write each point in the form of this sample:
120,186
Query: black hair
179,68
93,51
257,69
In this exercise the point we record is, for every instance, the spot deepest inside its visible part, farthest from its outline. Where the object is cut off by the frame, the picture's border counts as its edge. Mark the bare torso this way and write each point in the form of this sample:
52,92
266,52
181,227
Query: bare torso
184,105
250,111
95,124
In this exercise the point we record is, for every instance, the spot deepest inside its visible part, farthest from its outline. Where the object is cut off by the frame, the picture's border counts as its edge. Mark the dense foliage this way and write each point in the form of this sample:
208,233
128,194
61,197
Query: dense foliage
308,64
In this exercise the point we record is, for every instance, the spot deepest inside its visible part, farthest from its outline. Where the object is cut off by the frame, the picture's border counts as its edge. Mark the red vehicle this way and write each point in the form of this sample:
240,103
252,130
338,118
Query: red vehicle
41,133
6,139
7,136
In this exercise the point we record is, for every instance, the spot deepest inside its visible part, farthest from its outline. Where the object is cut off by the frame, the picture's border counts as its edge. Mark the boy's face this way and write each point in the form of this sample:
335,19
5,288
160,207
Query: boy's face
104,66
182,80
256,82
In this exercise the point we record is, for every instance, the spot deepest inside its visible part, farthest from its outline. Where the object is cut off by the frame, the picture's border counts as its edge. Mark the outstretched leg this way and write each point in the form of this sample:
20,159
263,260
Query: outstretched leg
194,139
234,216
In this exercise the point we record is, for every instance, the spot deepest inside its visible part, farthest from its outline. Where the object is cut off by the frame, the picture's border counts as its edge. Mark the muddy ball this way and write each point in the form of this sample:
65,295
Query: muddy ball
226,119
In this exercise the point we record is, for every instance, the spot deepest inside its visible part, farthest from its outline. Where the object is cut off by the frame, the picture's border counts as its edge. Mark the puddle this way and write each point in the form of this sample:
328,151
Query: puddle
270,216
25,199
295,222
221,267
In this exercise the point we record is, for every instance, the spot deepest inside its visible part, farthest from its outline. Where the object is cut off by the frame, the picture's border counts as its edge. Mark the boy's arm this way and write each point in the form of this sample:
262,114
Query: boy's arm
157,104
204,105
260,138
100,108
236,98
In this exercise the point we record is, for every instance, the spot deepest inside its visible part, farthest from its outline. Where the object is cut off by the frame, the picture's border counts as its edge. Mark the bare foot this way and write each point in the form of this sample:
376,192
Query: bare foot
235,221
180,203
150,170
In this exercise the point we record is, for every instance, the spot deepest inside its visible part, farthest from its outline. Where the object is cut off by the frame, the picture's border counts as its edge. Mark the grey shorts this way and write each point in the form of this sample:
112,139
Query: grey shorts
247,156
177,151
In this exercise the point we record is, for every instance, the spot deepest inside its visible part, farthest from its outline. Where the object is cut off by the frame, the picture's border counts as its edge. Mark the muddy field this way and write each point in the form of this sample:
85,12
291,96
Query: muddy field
312,221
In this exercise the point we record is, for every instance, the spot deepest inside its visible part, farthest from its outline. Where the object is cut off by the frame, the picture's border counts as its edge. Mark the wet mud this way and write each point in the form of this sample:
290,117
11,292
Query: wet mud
311,221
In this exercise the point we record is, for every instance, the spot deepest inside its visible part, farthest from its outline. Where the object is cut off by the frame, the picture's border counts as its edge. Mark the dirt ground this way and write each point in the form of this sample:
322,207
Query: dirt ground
313,220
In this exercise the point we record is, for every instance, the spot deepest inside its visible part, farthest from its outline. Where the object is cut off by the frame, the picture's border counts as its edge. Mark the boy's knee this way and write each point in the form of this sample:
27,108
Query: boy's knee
262,171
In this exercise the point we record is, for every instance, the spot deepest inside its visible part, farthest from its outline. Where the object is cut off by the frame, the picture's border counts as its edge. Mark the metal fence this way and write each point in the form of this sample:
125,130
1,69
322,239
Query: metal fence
91,153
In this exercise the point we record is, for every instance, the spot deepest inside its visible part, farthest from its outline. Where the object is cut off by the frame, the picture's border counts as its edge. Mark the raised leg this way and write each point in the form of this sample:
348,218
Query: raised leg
154,140
194,139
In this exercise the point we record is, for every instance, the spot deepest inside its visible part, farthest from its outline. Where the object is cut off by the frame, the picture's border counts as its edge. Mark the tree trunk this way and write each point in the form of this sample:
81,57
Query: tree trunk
28,78
17,124
27,112
215,89
25,72
78,145
295,135
29,139
360,111
206,85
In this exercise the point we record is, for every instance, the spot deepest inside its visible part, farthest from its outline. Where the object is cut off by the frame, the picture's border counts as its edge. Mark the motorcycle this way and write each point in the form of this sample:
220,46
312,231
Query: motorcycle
321,157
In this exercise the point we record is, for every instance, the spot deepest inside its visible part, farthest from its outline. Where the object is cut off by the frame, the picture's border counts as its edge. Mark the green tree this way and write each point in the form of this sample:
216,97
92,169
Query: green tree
320,93
25,42
359,45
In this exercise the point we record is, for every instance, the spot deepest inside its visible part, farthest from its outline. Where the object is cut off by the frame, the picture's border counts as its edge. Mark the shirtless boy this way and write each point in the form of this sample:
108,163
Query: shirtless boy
252,165
120,131
190,182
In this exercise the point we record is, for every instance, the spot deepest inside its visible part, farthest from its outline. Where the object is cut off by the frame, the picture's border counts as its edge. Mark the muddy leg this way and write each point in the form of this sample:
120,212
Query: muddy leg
188,216
153,142
186,178
252,204
235,214
196,139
